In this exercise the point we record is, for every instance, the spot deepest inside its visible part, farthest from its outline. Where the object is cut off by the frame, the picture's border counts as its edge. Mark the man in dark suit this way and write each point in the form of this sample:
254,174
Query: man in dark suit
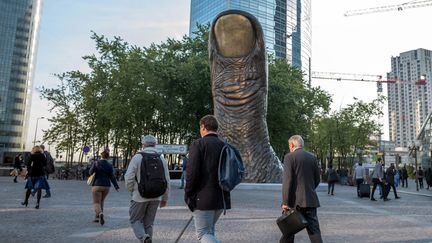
203,194
301,177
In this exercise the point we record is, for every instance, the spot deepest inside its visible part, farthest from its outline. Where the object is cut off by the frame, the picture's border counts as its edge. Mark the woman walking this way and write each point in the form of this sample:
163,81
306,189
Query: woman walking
17,167
101,185
36,180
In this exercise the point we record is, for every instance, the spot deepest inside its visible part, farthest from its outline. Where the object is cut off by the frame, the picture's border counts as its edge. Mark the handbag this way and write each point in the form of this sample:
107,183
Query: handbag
91,179
14,172
291,222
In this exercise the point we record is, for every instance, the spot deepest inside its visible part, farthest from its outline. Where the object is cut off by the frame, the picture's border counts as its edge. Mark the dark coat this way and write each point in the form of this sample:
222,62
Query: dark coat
301,177
17,163
202,189
389,176
36,165
104,174
404,173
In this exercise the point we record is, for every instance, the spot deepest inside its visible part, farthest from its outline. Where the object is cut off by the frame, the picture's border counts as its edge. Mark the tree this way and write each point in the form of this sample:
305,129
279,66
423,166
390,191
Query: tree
292,104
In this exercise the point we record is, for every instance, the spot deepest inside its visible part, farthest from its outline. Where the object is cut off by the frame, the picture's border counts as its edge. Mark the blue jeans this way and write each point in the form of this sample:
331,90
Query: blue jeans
205,221
182,179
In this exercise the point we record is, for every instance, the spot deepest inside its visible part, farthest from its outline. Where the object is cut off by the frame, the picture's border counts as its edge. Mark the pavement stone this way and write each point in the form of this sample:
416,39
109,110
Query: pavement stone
67,216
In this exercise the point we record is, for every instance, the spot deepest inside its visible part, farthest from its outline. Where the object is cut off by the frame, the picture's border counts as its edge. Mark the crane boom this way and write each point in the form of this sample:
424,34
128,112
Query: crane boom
364,78
396,7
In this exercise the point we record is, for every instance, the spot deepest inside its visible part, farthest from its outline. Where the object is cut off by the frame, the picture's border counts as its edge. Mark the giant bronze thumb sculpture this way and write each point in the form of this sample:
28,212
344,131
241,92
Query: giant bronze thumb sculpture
239,86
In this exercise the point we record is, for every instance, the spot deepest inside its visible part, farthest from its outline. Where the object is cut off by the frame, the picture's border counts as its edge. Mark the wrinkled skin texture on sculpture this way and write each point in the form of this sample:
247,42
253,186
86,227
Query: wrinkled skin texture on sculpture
239,87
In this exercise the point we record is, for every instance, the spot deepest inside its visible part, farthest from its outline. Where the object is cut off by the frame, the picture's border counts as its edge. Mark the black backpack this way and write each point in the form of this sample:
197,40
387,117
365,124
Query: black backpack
231,169
153,182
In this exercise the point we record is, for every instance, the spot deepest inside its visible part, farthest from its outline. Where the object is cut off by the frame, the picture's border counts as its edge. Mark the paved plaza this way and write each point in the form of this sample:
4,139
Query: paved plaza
67,216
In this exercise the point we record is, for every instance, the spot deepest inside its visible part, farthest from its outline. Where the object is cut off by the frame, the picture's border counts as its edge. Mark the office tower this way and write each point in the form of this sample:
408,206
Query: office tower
410,97
286,24
19,22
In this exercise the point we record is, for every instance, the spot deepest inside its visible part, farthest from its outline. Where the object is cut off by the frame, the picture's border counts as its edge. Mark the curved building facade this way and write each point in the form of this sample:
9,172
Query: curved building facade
19,23
286,24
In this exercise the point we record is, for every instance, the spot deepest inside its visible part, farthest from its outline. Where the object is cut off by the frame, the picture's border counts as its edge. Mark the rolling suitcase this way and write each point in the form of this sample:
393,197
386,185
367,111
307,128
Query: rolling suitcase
364,190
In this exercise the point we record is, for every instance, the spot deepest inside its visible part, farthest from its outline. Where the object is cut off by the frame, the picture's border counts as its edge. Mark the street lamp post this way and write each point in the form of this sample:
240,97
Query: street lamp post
37,122
414,147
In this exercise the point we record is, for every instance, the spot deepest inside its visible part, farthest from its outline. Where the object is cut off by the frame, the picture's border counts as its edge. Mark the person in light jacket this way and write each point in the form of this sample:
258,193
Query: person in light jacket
142,211
359,176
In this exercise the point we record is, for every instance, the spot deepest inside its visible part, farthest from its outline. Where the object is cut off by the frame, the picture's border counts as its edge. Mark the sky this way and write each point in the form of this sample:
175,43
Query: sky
360,44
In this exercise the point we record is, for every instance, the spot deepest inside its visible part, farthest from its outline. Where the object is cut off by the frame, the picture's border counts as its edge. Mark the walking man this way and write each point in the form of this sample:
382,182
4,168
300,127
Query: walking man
377,178
301,177
420,177
203,194
359,176
390,175
49,168
404,177
142,211
184,166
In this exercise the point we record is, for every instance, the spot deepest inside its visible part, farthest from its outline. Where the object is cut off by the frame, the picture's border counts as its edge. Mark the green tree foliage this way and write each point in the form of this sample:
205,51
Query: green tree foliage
163,89
292,105
342,133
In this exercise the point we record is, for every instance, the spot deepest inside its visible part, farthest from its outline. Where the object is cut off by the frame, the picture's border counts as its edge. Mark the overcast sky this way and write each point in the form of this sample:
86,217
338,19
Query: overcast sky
360,44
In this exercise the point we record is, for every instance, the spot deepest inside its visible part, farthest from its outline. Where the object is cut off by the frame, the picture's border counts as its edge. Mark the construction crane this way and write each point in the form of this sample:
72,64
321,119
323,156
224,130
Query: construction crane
388,8
378,79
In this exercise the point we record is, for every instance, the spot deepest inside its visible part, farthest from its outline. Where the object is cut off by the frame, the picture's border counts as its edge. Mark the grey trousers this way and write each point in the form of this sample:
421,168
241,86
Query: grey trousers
142,216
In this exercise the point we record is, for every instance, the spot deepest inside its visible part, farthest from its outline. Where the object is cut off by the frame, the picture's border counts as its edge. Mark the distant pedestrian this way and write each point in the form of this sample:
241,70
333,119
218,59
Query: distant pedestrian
49,169
359,176
404,177
332,178
203,195
101,185
184,166
36,180
142,211
428,177
300,179
343,175
389,176
420,176
17,167
397,177
377,179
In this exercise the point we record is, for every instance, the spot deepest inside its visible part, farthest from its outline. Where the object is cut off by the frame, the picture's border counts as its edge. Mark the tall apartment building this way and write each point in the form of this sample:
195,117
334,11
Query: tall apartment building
286,24
410,98
19,22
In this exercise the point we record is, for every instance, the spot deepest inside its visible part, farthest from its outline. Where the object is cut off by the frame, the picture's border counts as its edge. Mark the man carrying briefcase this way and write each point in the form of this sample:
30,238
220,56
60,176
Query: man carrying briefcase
301,177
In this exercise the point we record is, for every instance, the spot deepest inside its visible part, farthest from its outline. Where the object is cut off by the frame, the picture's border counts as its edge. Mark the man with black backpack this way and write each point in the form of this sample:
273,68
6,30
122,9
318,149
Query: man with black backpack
147,177
203,194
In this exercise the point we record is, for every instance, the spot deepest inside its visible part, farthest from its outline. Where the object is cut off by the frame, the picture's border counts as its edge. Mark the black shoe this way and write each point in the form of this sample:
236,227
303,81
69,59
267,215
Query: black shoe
24,203
101,219
15,180
386,199
373,199
37,206
47,196
96,221
147,240
397,197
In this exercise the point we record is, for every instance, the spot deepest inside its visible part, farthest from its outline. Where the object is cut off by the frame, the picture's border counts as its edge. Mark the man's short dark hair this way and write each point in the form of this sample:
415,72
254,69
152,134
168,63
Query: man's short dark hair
210,123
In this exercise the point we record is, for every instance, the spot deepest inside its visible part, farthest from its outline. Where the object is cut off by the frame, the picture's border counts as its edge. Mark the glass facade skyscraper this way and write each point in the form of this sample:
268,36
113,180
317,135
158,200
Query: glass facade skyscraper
286,24
19,22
